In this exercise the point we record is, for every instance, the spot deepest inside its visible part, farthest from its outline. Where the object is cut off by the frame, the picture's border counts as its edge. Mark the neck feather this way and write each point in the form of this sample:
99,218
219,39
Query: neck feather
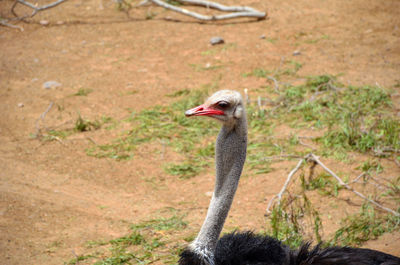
230,155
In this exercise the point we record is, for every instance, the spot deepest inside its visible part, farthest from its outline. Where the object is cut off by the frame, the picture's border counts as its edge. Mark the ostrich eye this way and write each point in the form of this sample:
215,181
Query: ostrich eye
223,104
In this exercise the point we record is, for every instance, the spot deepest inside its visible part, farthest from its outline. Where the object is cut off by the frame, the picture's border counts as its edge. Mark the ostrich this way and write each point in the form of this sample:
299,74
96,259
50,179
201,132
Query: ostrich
247,248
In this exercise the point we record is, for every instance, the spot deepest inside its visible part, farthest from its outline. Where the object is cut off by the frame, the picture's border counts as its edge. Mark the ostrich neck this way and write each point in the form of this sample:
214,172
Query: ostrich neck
230,155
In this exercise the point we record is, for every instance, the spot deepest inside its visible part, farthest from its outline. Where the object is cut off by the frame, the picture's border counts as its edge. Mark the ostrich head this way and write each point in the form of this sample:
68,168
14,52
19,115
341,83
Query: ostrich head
225,105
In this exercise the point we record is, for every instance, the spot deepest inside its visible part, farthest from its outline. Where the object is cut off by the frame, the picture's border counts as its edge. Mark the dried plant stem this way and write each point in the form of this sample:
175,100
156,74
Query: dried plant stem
278,197
276,83
312,157
41,117
4,23
35,8
341,182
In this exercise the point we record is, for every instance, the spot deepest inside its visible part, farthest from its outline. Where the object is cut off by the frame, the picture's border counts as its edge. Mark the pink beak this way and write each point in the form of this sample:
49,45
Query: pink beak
203,110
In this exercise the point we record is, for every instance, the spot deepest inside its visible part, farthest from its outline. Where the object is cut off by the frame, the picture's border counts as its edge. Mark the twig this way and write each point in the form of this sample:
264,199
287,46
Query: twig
306,137
397,162
35,8
218,6
306,145
91,140
4,23
312,157
357,178
342,183
259,103
276,87
238,11
41,117
76,257
280,157
279,195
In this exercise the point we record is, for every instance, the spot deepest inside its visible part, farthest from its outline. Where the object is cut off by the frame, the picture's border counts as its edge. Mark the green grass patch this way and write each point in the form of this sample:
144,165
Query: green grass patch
147,242
366,225
83,92
169,125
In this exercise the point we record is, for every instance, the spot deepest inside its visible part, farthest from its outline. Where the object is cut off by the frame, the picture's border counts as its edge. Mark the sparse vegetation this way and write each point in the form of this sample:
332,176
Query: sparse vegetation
83,91
364,226
147,242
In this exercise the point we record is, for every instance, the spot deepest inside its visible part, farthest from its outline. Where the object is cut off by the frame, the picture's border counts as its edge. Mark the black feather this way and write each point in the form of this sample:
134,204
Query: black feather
189,257
246,248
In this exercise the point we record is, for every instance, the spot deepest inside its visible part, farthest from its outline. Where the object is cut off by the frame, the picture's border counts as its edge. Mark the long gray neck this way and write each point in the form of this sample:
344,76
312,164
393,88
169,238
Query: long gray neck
230,155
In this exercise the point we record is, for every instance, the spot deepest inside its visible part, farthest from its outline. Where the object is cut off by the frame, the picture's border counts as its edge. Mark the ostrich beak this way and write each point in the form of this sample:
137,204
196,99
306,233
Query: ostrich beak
203,110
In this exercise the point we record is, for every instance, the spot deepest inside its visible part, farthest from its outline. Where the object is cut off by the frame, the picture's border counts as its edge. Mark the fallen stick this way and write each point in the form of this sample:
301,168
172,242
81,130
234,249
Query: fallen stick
312,157
4,23
41,117
238,11
279,195
342,183
276,87
35,8
217,6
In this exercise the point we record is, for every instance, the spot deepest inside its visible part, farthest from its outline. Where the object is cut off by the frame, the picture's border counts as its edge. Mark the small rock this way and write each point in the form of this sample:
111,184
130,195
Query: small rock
20,105
83,42
209,193
296,53
34,79
44,22
216,40
263,37
51,84
60,22
36,60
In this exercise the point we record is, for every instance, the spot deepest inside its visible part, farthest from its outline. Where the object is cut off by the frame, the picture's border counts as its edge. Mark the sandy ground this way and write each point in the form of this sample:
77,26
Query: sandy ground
54,197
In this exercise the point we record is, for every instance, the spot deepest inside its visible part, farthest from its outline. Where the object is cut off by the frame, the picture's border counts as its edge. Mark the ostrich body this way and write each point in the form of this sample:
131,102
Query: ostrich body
246,248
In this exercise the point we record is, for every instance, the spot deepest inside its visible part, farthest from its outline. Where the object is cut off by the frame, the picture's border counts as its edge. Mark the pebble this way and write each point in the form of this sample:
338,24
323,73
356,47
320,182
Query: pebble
20,105
263,37
216,40
51,84
296,53
44,22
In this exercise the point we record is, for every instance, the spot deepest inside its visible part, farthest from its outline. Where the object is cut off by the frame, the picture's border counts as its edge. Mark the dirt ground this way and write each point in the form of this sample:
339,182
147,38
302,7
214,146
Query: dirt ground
54,197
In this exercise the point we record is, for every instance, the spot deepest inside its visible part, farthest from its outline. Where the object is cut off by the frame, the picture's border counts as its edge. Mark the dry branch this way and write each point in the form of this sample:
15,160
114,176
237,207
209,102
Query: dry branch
4,22
41,117
341,182
276,87
35,8
279,195
312,157
237,11
217,6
